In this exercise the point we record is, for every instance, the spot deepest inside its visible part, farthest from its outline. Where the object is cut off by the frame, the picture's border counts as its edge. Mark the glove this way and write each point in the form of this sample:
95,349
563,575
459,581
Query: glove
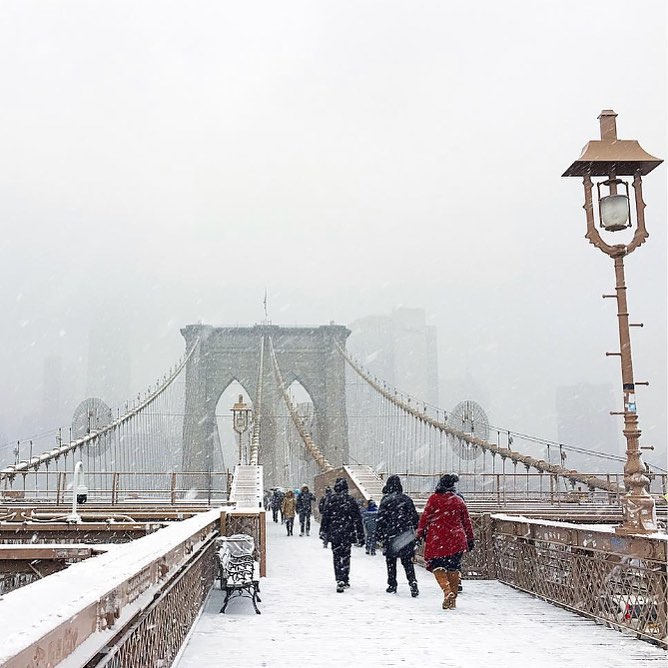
360,543
470,545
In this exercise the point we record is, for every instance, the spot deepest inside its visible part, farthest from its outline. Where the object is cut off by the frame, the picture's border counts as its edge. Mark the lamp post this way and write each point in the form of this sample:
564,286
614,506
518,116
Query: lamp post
241,416
606,160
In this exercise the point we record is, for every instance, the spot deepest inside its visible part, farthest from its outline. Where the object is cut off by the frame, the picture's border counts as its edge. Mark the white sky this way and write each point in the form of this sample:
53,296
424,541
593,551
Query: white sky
164,162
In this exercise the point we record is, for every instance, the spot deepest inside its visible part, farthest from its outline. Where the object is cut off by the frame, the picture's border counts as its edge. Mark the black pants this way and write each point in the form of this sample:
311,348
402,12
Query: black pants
341,557
289,522
406,562
305,522
274,514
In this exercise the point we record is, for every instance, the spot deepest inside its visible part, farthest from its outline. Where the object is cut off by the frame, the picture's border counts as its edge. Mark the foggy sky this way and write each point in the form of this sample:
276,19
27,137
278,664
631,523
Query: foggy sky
164,163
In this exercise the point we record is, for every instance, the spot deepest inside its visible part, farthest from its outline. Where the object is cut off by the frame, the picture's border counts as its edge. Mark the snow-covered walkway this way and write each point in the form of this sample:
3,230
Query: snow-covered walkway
304,622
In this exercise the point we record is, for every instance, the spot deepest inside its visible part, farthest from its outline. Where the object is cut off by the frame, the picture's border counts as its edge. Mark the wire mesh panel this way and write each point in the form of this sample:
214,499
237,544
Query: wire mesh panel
620,581
155,638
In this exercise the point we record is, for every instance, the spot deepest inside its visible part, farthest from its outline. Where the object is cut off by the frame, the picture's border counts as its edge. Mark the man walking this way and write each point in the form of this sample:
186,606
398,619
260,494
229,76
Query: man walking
395,528
342,526
304,503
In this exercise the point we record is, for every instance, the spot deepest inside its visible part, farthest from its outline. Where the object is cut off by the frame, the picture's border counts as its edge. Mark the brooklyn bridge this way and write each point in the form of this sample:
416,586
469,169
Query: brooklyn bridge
111,547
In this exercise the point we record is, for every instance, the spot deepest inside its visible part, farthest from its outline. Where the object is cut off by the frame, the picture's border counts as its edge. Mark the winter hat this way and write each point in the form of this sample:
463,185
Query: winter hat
393,484
447,483
341,486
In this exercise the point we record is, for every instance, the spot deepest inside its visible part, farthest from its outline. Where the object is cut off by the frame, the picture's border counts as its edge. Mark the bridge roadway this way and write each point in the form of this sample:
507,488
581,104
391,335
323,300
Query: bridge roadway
304,622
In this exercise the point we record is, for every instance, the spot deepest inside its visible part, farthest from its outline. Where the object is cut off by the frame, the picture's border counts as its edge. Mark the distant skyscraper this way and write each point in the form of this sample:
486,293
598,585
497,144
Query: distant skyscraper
108,366
583,419
401,349
52,399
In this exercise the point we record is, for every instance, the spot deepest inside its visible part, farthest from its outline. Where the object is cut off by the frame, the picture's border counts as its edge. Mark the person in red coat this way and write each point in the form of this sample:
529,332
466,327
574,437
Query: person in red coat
445,527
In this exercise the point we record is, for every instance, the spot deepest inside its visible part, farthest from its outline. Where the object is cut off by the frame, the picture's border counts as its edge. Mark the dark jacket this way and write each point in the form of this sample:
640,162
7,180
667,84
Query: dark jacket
369,517
341,517
277,500
397,520
324,499
304,502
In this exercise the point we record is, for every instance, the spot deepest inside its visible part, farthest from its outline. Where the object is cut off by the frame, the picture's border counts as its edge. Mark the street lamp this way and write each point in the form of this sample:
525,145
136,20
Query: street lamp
241,416
607,160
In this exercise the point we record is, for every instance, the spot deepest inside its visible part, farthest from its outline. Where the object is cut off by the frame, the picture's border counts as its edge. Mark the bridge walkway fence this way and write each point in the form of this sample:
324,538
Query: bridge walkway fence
133,605
616,580
306,622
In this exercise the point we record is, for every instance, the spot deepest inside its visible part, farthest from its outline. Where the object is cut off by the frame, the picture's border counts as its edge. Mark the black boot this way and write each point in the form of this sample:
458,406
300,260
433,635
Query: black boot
414,589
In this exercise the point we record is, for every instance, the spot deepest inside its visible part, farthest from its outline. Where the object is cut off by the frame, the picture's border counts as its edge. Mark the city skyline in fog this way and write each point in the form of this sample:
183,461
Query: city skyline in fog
166,165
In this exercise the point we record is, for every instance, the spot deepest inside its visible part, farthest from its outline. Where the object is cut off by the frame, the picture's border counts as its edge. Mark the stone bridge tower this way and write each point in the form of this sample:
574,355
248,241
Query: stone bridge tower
226,354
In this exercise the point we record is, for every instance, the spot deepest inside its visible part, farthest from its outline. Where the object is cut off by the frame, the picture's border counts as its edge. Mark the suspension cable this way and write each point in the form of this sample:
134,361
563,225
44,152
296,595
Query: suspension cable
257,406
593,482
310,446
35,462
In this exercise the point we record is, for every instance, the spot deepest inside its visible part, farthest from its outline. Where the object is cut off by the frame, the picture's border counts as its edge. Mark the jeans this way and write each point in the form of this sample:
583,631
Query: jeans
406,562
289,523
305,521
341,558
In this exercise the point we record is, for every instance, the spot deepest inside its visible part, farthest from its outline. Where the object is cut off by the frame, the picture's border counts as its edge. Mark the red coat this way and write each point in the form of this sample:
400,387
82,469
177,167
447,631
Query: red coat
445,526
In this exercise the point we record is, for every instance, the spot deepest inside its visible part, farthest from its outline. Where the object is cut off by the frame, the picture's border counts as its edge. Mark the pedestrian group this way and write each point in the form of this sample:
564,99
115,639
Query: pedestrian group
444,527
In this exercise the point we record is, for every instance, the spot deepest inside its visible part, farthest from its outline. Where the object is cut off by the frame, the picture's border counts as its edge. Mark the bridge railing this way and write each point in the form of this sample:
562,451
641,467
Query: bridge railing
132,606
617,580
117,487
513,486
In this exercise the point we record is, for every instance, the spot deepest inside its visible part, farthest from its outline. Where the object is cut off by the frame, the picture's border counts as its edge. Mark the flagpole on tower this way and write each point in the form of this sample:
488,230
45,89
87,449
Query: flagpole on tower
264,303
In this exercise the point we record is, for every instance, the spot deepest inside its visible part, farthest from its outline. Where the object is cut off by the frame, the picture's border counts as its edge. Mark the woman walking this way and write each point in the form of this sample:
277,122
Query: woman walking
288,510
446,529
342,526
395,528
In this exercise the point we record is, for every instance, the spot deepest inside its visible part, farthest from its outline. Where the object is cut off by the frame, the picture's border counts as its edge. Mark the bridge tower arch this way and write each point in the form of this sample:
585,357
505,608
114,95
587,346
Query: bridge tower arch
224,354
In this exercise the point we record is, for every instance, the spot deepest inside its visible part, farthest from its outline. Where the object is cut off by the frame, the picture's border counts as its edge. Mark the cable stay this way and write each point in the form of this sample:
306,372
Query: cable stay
310,446
592,481
257,407
117,430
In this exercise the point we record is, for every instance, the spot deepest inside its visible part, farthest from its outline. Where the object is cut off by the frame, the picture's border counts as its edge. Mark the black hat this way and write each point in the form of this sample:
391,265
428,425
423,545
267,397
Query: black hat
447,483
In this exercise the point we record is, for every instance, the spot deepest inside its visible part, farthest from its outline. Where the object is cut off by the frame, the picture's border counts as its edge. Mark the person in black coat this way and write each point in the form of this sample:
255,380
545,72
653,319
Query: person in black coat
304,503
395,528
276,503
342,526
321,509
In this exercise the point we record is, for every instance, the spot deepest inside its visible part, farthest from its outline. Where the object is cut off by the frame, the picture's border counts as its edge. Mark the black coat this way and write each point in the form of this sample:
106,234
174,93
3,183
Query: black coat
341,517
323,501
397,520
304,503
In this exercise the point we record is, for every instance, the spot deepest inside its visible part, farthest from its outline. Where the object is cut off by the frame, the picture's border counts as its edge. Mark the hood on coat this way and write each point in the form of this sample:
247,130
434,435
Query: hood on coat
393,484
447,483
371,506
341,486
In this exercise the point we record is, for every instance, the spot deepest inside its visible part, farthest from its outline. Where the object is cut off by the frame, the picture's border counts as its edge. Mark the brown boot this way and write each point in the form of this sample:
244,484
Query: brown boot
444,582
453,581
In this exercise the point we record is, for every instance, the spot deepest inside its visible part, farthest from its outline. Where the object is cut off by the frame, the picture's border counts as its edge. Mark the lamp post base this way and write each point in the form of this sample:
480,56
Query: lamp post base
639,514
